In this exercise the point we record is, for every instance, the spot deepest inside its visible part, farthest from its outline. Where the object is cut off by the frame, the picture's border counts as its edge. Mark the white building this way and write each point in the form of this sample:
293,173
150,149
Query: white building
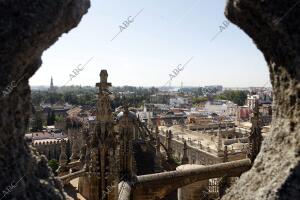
179,101
152,110
47,135
221,107
251,99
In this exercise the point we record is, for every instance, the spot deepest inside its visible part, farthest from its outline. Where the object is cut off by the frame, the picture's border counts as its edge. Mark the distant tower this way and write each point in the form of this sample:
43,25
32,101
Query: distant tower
51,89
51,84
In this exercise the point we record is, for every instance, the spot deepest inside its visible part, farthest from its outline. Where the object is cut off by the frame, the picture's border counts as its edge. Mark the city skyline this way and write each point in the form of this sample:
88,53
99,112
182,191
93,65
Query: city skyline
47,86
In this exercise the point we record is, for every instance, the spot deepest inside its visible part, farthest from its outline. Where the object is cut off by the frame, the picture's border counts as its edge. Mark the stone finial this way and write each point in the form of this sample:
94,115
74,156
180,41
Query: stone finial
156,132
169,144
158,156
75,150
199,143
255,138
103,76
156,129
63,159
184,159
157,143
83,154
225,159
220,145
149,121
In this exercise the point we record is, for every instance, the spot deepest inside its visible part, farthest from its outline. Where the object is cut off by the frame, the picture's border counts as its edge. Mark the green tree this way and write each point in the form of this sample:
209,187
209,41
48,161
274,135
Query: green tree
53,164
198,100
59,118
71,98
37,98
50,118
37,123
238,97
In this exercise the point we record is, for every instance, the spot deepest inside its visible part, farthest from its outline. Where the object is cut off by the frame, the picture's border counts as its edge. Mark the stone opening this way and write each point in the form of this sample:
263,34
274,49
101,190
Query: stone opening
25,35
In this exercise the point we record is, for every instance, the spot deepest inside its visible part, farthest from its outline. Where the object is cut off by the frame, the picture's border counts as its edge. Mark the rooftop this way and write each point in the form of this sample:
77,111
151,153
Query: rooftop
207,139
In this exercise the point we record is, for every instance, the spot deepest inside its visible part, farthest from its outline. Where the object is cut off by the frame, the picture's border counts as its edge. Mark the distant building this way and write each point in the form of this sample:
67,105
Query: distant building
161,98
221,107
153,110
263,95
243,114
205,121
52,88
180,102
47,141
266,114
213,88
59,110
251,99
265,106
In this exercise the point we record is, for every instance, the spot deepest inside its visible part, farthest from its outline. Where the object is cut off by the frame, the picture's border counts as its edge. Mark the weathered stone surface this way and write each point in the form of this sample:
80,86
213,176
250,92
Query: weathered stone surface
157,186
27,28
274,27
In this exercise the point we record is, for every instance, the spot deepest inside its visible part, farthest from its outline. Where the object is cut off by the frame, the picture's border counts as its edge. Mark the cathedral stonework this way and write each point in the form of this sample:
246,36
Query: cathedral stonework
109,153
114,149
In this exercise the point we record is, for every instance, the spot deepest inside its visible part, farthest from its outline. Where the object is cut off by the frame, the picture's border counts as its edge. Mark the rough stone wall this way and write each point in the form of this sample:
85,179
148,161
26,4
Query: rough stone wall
274,26
27,28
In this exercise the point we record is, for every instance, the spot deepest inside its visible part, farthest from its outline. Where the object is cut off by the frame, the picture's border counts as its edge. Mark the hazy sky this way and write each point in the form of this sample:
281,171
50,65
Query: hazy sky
164,34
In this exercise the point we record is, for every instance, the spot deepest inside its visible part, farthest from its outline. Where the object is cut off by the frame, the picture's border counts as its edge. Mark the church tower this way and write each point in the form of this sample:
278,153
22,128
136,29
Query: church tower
51,89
